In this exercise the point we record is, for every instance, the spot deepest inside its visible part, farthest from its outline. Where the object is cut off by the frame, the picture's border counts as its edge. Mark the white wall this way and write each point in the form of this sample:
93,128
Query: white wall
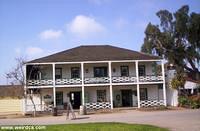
47,72
172,97
66,69
39,98
190,85
172,94
117,67
148,67
153,92
90,68
117,91
91,93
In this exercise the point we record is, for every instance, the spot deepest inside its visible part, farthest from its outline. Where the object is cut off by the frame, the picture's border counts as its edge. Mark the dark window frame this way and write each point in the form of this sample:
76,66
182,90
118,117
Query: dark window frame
101,96
139,70
59,99
74,75
56,76
127,73
145,96
100,75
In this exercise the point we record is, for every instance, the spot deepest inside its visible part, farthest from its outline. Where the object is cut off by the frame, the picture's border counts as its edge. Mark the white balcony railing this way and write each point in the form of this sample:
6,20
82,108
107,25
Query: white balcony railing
96,80
73,81
39,82
118,79
150,78
149,103
98,105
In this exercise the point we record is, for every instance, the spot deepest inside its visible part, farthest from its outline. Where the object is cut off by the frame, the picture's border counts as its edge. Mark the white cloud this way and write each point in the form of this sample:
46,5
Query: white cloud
139,24
98,2
84,26
33,51
50,34
18,51
121,23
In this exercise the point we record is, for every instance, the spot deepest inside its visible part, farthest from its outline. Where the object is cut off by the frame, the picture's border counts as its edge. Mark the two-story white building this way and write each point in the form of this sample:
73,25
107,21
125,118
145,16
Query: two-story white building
99,76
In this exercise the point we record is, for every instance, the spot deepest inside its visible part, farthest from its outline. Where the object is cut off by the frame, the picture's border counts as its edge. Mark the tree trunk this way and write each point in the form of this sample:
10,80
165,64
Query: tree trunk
34,112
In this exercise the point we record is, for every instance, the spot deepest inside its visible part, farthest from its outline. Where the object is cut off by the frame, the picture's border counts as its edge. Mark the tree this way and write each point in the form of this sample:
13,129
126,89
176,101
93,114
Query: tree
176,39
17,76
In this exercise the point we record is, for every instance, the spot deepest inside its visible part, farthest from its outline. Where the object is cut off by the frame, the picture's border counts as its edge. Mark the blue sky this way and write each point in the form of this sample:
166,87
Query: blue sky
35,28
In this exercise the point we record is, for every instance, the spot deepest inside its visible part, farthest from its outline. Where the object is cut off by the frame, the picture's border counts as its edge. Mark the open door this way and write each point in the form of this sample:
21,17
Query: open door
75,99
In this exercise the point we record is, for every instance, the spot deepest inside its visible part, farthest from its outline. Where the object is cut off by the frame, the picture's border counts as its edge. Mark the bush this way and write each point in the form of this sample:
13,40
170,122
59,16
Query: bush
183,101
189,101
195,101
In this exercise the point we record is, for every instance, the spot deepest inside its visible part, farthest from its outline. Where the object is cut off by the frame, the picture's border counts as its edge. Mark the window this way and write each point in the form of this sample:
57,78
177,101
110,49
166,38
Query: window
75,72
101,95
59,98
124,71
160,86
100,72
142,70
143,94
58,73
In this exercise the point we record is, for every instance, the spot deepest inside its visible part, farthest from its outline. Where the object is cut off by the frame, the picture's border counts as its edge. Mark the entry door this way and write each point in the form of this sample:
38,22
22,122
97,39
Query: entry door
59,98
126,98
75,99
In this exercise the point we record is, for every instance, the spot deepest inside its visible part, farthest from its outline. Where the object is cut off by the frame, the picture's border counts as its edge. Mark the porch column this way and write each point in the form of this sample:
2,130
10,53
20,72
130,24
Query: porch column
54,88
82,81
25,90
138,86
164,86
110,78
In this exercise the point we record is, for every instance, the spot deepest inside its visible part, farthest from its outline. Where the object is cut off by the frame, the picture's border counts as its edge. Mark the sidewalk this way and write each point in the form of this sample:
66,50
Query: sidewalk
179,120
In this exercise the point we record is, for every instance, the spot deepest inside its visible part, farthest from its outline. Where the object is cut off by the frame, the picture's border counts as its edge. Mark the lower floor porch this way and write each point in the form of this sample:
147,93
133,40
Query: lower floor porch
96,97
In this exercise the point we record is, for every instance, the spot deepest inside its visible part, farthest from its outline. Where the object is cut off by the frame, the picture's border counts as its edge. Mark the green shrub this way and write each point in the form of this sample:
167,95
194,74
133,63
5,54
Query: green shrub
195,101
189,101
183,101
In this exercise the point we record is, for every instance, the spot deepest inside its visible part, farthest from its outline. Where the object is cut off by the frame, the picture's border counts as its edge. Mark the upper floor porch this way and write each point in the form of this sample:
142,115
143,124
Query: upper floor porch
94,73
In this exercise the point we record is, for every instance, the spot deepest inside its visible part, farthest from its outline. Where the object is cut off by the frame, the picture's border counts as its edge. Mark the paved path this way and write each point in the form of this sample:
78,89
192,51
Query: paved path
176,120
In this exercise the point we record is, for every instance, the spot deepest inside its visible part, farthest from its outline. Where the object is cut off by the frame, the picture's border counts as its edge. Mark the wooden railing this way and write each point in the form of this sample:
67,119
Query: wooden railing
98,105
74,81
96,80
150,78
149,103
39,82
126,79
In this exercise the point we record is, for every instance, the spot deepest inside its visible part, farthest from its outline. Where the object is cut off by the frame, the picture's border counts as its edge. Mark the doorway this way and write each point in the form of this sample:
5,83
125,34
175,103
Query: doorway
59,98
75,99
126,98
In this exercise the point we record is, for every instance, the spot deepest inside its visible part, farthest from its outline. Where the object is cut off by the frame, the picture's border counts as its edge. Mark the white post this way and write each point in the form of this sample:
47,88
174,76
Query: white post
25,91
164,86
138,86
83,88
110,78
54,88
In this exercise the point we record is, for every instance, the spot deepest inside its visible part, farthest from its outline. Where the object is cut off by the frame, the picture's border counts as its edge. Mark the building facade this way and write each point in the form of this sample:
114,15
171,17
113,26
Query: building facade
97,77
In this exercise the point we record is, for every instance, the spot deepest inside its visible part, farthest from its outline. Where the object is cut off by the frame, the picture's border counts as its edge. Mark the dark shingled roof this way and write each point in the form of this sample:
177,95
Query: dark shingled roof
94,53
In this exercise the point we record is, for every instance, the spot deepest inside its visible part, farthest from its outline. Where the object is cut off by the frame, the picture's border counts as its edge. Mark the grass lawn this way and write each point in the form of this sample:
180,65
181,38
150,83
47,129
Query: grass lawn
104,127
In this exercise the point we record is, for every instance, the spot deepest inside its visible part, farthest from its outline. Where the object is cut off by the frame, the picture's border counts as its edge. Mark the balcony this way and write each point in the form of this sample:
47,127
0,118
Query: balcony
39,82
73,81
126,79
96,80
150,78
